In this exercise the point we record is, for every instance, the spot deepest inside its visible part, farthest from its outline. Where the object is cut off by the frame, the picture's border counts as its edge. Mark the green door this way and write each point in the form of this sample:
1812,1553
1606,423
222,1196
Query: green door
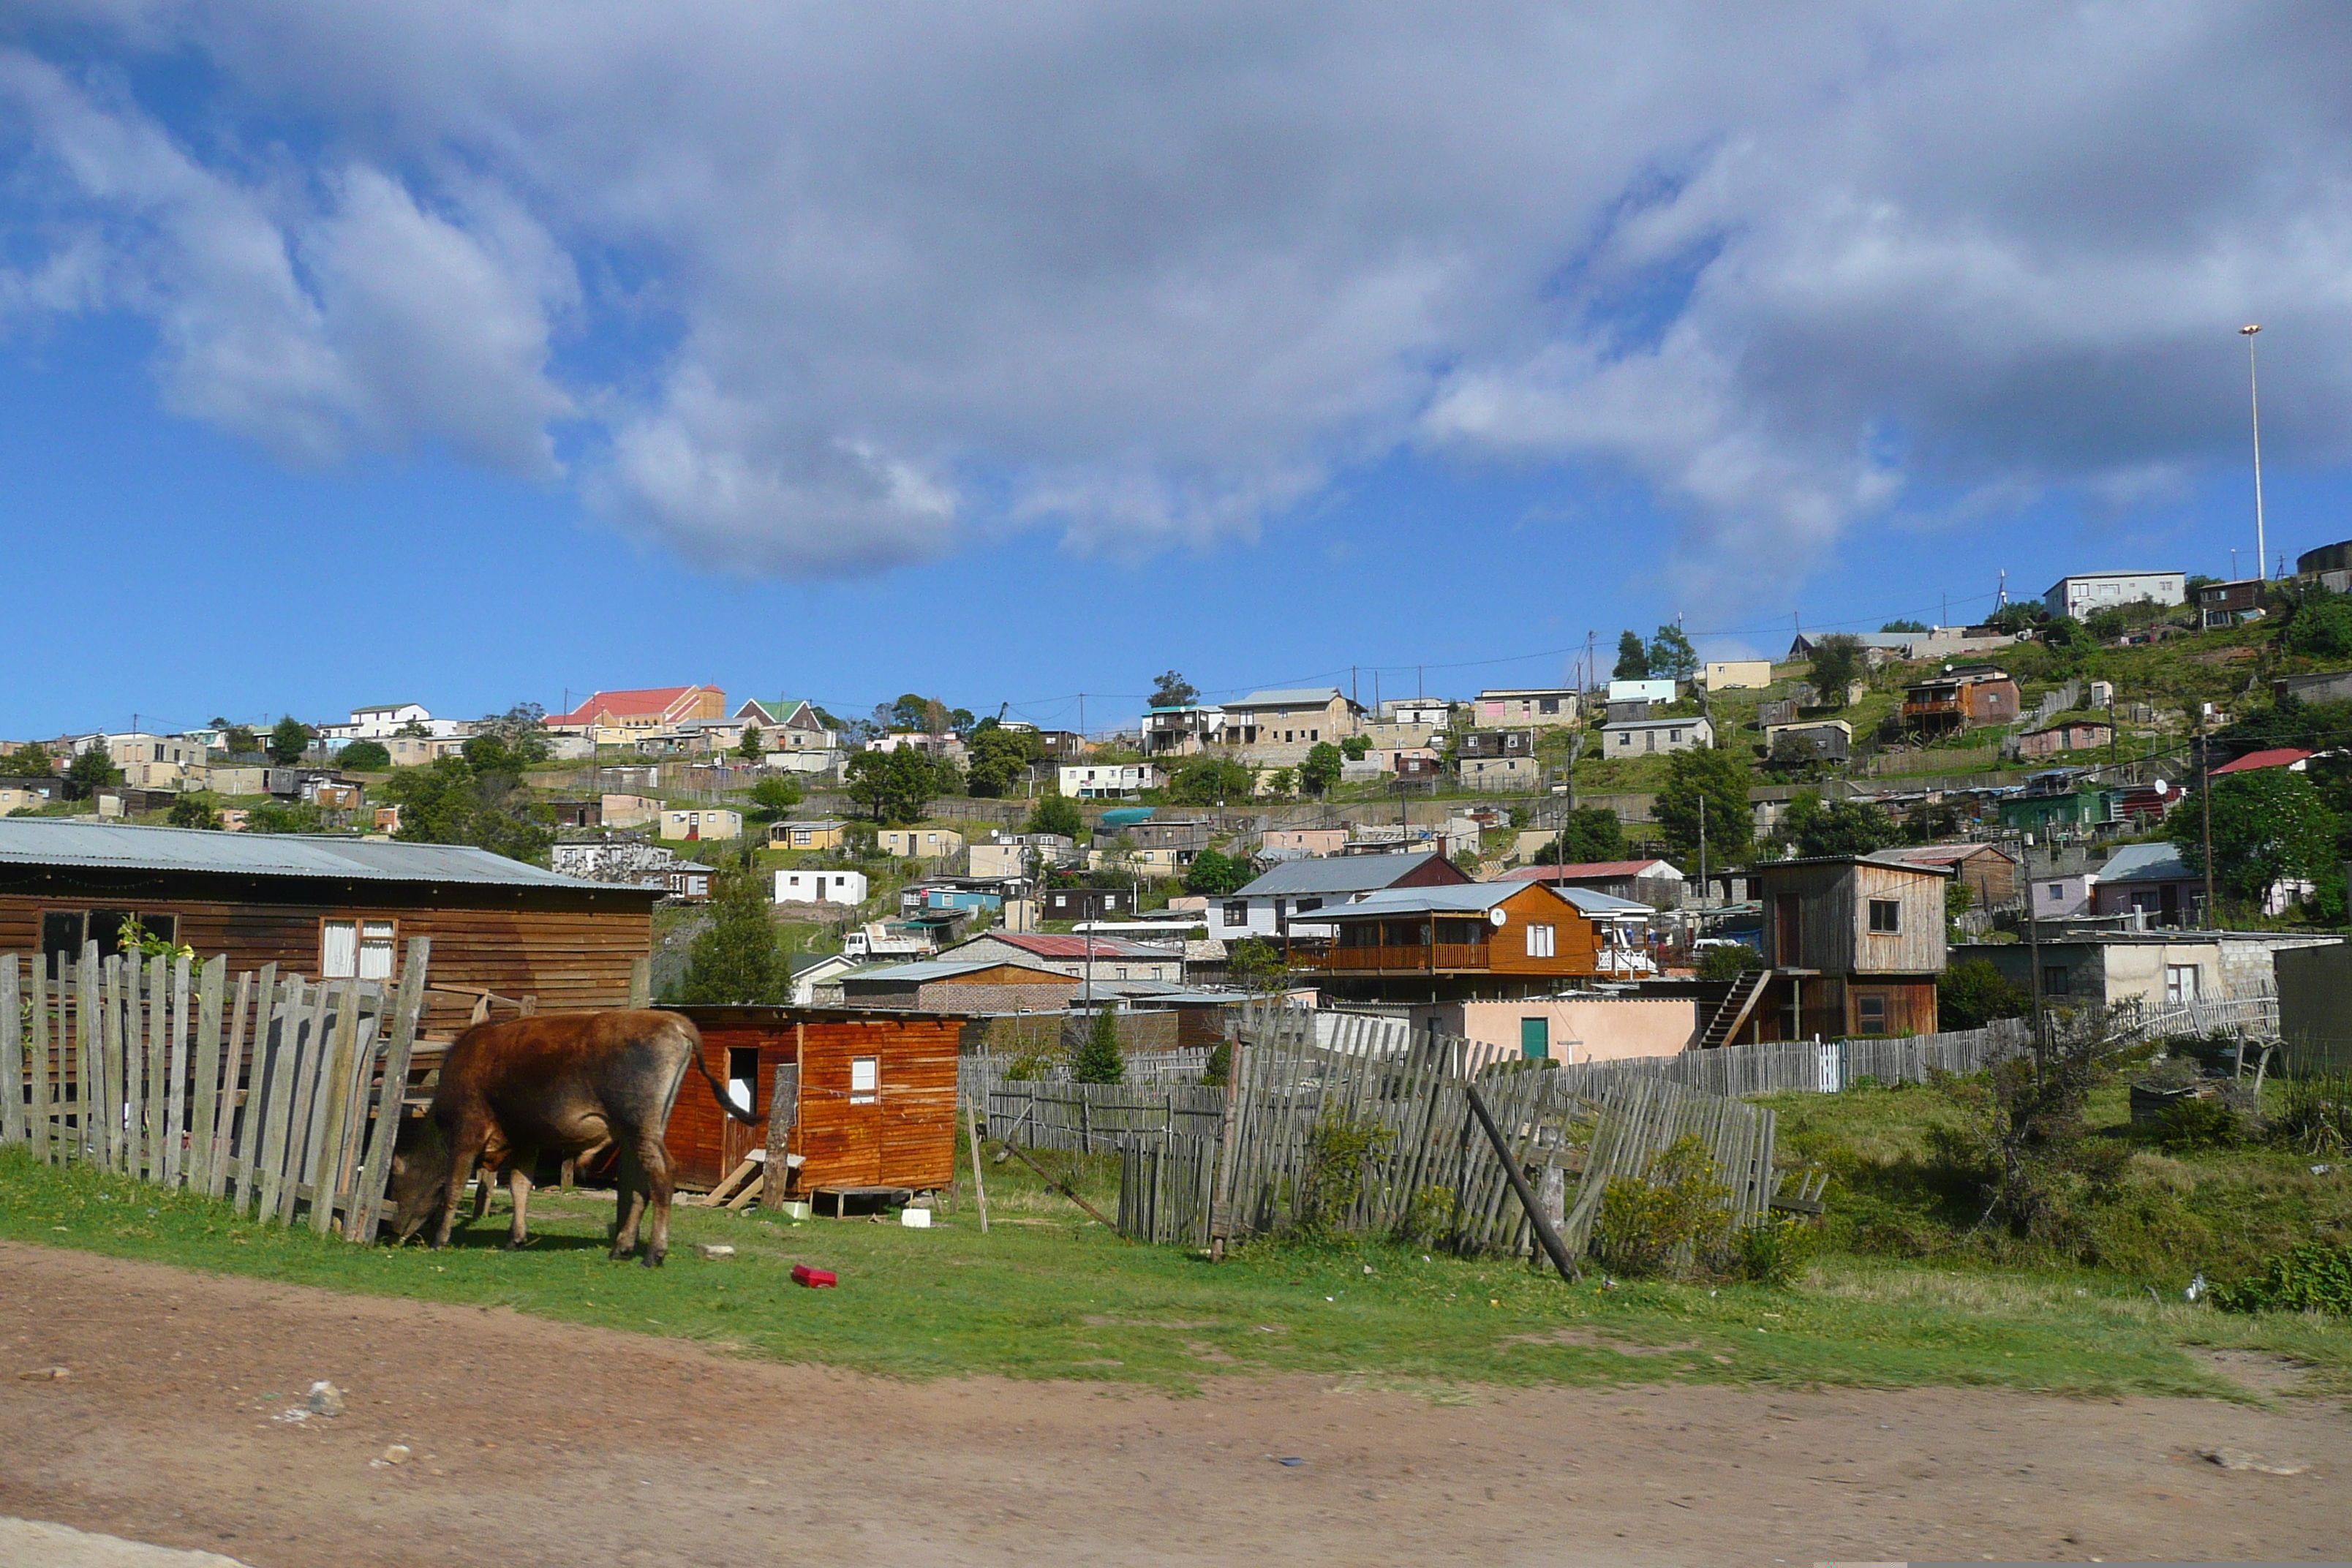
1535,1037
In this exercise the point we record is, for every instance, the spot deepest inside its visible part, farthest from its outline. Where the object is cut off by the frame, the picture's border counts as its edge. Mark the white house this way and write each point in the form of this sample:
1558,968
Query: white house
1642,691
1433,711
1107,781
2089,591
2061,898
1282,900
809,887
1639,737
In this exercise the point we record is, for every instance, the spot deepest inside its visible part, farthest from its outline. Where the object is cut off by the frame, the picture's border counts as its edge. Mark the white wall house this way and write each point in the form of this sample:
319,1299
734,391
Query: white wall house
820,888
2090,592
1639,737
1660,691
1107,781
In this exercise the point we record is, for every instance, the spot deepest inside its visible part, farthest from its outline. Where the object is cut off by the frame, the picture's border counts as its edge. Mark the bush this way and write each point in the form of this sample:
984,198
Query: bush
1101,1061
1775,1252
365,756
1971,994
2315,1114
1670,1219
1729,962
2313,1277
2194,1124
1337,1152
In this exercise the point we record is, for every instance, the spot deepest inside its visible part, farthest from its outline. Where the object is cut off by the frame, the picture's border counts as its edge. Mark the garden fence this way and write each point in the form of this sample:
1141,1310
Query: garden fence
282,1095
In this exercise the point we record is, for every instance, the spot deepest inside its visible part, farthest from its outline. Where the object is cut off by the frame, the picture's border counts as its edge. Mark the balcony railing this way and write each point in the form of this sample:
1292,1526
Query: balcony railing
1418,959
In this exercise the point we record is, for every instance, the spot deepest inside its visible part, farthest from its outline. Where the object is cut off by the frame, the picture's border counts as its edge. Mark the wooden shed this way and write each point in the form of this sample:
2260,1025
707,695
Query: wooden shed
328,908
1855,942
873,1096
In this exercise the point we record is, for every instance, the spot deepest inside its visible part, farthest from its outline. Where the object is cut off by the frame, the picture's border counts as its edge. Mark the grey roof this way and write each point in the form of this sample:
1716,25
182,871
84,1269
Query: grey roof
1288,697
1476,897
2147,863
930,969
1337,874
40,842
1687,722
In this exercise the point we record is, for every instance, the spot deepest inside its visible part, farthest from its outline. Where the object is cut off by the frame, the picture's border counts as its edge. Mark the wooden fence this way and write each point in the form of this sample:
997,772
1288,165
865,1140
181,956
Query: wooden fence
1095,1117
283,1097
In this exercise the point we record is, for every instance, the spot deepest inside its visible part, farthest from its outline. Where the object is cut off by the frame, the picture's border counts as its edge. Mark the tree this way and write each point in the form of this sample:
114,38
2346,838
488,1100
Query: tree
193,811
288,741
238,740
1356,748
750,748
1256,964
1101,1061
1671,654
1838,663
1632,657
1971,994
364,756
1591,833
735,958
2319,625
1321,768
523,728
1282,783
1173,690
1904,627
299,818
1721,778
1730,962
1214,874
1058,815
2022,615
1210,781
1837,828
1000,757
29,763
91,772
772,797
2267,824
475,799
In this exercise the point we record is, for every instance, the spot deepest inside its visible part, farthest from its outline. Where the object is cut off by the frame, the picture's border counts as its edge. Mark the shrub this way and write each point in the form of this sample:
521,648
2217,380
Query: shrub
1775,1252
2194,1124
1670,1218
2312,1277
1971,994
1337,1152
1101,1061
1729,962
2315,1114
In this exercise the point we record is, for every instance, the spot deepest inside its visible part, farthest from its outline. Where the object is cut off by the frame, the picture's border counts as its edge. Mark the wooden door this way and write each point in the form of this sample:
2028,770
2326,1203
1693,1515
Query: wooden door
1786,939
862,1115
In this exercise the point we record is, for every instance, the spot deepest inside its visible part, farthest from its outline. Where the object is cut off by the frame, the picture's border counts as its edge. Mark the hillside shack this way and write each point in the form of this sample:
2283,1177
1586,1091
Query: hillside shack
872,1097
329,908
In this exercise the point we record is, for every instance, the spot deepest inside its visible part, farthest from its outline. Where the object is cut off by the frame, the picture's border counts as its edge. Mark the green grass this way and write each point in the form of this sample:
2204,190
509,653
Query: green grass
1048,1294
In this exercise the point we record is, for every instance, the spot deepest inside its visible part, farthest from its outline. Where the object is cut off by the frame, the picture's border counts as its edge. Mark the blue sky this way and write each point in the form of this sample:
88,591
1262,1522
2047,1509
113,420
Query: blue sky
379,353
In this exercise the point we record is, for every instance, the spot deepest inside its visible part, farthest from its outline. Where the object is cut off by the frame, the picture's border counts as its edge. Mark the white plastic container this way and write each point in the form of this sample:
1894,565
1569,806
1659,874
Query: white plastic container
915,1219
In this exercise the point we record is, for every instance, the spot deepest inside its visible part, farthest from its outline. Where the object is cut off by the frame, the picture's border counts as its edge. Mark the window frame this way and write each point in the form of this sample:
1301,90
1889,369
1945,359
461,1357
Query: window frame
1892,909
1542,939
359,921
1870,1013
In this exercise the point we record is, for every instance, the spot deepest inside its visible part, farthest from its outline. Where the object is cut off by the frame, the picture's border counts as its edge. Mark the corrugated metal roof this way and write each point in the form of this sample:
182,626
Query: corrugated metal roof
2147,863
1337,874
1053,944
1591,868
88,845
928,970
1290,696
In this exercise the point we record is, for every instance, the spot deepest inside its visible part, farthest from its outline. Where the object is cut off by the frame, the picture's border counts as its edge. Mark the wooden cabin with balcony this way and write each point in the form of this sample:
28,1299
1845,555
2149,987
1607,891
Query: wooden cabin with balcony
1855,945
1965,697
1469,941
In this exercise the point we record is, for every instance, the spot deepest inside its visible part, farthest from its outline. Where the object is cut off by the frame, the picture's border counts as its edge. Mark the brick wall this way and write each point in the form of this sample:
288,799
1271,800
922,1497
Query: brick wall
945,996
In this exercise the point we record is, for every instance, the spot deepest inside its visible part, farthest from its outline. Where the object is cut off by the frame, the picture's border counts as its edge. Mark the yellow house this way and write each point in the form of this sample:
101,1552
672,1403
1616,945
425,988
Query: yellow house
1739,674
919,843
628,810
824,834
701,822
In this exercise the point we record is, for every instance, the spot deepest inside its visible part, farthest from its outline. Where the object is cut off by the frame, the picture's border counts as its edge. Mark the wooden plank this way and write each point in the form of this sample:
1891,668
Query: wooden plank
97,997
230,1063
156,985
175,1077
14,1127
251,1126
334,1100
303,1135
39,1114
375,1172
279,1034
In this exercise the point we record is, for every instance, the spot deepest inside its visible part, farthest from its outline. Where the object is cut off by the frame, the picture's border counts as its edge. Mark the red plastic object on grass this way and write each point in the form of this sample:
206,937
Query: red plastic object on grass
814,1279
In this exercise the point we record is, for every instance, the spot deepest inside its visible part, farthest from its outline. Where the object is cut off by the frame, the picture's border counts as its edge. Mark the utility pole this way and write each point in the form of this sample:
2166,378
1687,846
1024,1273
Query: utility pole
2205,809
2034,946
2254,403
1702,862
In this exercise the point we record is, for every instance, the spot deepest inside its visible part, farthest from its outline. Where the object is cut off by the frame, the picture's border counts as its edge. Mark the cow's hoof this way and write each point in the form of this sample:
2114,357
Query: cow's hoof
619,1254
511,1245
653,1259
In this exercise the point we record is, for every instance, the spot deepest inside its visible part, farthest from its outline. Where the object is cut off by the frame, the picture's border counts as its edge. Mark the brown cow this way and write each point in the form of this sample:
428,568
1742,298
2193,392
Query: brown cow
560,1084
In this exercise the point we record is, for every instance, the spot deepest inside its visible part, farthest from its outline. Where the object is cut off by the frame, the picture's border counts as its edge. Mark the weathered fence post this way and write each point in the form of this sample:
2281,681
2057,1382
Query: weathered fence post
12,1055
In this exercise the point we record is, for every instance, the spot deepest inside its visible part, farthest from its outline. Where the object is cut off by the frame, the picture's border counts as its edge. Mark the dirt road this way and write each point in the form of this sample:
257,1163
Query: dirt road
537,1444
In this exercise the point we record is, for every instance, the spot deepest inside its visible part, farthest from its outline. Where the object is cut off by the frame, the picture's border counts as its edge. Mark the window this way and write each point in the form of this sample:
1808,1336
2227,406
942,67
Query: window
1237,913
1307,904
2057,980
742,1077
1548,705
864,1080
1870,1013
2180,983
356,949
1886,916
61,933
1542,942
2057,891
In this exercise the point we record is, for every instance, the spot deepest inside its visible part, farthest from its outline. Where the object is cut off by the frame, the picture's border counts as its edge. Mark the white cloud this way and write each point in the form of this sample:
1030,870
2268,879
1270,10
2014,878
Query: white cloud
839,284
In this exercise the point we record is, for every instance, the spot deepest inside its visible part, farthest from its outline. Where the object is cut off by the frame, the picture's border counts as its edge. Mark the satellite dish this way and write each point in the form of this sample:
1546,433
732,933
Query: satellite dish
1498,915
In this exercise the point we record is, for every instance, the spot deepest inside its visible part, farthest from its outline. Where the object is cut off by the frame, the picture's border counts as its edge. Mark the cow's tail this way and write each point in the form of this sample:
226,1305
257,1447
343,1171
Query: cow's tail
717,1089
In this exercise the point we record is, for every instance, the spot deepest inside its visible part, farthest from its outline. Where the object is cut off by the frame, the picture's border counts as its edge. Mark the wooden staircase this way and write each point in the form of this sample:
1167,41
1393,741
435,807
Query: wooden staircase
1738,1007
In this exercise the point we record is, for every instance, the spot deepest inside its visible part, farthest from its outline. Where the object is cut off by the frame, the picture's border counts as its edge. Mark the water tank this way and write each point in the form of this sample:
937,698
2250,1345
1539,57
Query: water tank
1126,816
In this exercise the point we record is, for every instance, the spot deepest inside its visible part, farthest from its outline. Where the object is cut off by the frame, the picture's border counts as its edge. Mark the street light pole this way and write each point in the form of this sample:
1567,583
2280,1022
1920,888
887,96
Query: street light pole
2254,403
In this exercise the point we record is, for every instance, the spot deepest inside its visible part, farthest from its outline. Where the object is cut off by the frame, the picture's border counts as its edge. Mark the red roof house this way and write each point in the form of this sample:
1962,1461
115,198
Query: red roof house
649,708
2255,762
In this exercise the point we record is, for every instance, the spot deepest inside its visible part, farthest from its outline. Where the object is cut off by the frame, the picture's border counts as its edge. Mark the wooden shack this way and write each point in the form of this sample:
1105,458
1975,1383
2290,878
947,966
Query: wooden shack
873,1096
1856,944
328,908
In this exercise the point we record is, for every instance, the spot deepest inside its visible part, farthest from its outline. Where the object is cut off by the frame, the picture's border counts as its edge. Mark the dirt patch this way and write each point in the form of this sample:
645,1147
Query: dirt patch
537,1444
2257,1370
